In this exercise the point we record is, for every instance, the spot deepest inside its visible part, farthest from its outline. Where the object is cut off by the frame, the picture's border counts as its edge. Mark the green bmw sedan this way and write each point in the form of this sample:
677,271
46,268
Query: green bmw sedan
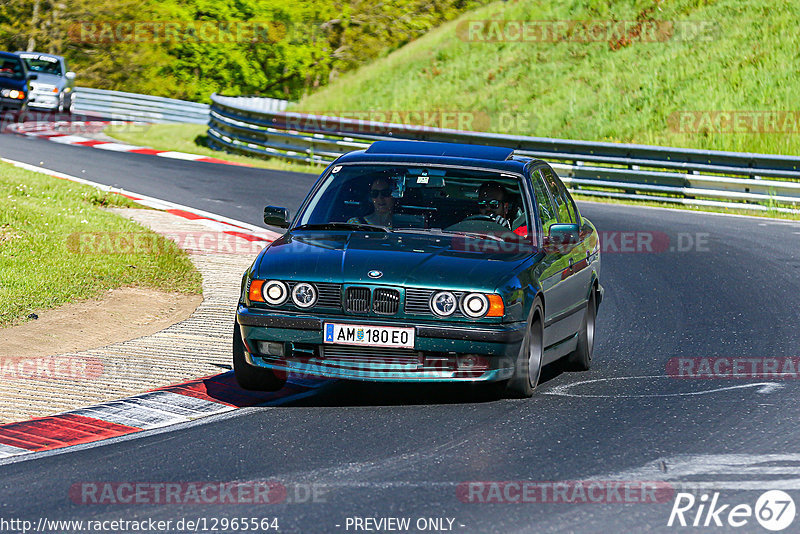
413,261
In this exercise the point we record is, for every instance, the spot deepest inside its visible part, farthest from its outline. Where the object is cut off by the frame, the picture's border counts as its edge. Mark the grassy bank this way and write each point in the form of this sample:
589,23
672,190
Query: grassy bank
708,56
42,265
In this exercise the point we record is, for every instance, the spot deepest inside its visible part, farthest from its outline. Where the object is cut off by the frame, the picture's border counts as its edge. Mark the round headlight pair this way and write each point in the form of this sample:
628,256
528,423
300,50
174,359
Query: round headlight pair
275,292
473,305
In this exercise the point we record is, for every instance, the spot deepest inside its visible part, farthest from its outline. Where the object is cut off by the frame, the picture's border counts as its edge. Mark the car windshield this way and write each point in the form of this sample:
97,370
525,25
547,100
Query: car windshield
43,64
11,68
483,204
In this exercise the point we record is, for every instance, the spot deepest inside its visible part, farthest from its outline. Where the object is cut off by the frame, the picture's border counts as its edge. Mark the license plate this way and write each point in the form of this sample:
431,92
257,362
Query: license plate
368,335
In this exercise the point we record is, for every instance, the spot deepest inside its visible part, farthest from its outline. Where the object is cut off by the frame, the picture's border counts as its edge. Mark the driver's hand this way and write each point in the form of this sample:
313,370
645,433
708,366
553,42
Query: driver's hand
499,219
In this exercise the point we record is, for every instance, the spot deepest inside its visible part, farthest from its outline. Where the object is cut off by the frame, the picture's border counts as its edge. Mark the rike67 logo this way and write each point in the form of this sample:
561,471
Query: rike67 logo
774,510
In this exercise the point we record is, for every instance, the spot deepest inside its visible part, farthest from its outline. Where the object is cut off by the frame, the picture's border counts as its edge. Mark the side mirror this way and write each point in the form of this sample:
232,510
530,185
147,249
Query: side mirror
32,76
70,75
275,216
562,237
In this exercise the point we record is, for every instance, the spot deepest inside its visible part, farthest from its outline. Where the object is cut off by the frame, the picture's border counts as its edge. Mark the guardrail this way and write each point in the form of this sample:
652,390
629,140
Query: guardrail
674,175
119,105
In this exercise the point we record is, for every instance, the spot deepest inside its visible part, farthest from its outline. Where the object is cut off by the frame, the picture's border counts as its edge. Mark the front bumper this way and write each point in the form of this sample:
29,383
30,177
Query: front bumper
11,103
441,353
47,100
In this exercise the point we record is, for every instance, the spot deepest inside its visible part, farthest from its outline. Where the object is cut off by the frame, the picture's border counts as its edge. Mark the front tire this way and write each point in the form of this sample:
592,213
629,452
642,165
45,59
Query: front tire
528,366
581,358
248,376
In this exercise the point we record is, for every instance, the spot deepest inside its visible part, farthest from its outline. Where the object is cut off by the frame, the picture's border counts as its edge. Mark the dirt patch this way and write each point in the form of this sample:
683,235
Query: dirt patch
7,234
120,315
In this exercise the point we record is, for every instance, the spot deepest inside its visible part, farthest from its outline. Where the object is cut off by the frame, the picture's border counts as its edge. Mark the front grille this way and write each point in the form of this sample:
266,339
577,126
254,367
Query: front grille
386,301
374,357
329,295
357,299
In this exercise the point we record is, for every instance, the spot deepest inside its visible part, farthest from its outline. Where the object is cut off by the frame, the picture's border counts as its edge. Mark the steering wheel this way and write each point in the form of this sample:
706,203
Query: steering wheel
481,218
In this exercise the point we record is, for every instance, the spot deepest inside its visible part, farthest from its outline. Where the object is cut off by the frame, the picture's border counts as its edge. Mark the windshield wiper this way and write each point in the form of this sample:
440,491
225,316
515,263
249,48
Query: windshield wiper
439,231
343,226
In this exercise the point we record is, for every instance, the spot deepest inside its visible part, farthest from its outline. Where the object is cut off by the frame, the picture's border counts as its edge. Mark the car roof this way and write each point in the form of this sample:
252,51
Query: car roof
9,54
451,154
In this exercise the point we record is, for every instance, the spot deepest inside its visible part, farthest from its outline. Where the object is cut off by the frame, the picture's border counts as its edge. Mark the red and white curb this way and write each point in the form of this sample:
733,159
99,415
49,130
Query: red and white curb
54,131
171,405
158,408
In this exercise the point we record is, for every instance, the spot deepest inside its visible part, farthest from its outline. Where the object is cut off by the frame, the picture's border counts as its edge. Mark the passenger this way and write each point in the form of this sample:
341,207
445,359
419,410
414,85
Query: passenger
380,193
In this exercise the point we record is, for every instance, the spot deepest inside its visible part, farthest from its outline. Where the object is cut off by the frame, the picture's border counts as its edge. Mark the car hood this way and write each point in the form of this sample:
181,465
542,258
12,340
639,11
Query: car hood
404,259
11,83
48,79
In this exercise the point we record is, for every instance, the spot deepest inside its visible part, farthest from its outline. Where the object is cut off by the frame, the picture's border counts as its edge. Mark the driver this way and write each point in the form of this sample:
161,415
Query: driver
492,202
380,192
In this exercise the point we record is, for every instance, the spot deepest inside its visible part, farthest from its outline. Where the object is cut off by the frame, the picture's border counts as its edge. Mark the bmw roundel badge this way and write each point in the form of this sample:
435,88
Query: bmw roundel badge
374,274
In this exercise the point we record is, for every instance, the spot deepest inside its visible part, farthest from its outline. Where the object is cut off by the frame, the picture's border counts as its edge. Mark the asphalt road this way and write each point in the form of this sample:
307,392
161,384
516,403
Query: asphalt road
404,451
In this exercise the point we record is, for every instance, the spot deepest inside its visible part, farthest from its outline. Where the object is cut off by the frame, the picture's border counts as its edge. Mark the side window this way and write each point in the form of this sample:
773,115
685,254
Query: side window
566,212
547,212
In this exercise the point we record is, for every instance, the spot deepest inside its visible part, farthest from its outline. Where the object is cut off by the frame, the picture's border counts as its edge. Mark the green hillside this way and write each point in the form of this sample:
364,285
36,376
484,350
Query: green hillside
703,56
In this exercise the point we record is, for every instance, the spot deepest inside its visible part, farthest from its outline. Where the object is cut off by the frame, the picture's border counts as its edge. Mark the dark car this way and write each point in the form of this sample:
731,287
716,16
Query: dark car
423,262
14,77
54,88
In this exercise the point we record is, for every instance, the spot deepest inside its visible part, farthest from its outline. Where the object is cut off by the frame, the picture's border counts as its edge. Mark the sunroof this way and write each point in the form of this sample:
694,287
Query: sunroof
452,150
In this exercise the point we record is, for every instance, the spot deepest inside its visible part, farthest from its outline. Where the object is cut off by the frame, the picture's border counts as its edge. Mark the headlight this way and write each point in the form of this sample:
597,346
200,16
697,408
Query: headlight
474,305
443,303
4,92
275,292
16,94
304,295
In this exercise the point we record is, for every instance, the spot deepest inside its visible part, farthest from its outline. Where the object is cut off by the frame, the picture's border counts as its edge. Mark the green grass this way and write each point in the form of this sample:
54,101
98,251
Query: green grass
191,138
43,265
589,91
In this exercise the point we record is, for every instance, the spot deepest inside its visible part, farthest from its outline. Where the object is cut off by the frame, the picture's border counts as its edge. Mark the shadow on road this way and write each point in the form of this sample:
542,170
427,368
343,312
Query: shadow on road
354,393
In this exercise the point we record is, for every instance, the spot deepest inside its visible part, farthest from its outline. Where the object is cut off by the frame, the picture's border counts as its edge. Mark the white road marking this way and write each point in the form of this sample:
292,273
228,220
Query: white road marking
117,147
563,390
700,471
180,155
7,451
69,139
